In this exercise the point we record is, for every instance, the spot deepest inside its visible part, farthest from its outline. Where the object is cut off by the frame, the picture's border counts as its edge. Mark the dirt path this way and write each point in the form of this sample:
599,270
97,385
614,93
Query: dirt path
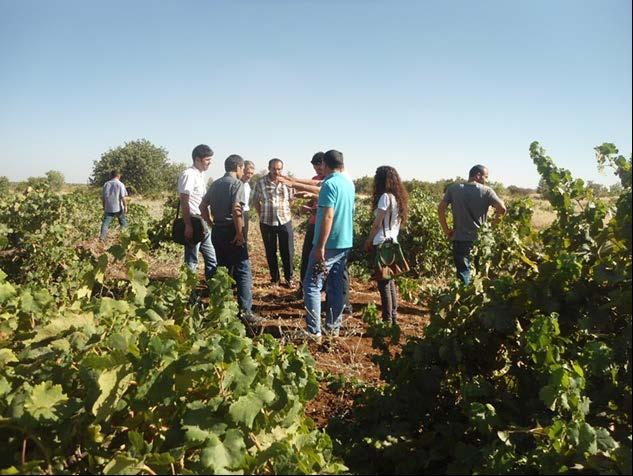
350,355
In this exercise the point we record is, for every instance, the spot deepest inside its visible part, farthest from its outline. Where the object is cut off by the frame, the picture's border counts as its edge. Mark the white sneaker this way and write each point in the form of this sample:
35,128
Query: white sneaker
316,338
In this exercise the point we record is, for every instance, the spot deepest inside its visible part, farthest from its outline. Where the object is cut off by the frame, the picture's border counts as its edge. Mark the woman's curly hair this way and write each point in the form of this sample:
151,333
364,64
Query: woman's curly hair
387,180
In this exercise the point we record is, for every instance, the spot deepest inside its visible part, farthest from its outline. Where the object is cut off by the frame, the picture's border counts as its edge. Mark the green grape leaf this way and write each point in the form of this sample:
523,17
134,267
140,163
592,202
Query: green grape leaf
604,440
123,464
221,457
588,439
59,326
42,401
7,291
112,385
6,357
245,409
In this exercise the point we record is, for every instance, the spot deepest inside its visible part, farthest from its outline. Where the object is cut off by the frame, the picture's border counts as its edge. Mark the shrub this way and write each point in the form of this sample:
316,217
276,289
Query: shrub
144,168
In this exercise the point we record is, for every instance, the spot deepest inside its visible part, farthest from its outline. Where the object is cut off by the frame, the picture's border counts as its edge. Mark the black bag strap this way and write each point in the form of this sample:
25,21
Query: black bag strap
390,209
178,211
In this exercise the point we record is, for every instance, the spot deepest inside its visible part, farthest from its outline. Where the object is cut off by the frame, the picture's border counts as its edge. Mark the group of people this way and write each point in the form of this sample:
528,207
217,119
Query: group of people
223,211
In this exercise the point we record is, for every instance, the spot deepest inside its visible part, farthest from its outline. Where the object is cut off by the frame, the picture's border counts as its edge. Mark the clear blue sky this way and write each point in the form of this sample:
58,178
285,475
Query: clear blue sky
431,88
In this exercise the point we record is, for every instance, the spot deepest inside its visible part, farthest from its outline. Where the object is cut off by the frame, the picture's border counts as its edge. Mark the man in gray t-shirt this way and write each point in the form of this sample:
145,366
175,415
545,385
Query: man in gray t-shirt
469,205
226,199
114,201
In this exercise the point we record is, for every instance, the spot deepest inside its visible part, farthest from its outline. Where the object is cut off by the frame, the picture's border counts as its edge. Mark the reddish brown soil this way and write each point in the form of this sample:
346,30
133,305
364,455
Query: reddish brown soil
350,354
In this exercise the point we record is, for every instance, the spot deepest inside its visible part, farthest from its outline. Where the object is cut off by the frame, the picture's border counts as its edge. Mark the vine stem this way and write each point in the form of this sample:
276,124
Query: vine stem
253,438
149,470
38,443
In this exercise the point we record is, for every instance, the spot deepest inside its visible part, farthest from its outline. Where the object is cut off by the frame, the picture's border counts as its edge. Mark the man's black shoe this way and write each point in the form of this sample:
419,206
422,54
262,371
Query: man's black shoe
251,318
289,283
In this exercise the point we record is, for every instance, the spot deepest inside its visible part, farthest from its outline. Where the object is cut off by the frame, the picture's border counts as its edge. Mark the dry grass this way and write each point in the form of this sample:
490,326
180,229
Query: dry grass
155,206
543,213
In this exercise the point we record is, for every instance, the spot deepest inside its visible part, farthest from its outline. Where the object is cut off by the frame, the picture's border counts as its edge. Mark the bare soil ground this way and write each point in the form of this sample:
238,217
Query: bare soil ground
349,355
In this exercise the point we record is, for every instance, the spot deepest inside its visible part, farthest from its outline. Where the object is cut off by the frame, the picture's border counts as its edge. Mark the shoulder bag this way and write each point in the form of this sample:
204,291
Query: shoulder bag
389,260
178,229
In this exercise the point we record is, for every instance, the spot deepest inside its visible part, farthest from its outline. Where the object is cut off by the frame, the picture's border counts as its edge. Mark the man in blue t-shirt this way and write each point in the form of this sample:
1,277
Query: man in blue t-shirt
333,237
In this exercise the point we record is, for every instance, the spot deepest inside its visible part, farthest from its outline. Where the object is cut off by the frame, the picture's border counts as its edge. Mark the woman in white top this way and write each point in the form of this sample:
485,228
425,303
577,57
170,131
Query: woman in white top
391,207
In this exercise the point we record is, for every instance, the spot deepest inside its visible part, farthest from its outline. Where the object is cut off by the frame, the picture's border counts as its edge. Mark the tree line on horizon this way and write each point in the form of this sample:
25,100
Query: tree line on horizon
147,170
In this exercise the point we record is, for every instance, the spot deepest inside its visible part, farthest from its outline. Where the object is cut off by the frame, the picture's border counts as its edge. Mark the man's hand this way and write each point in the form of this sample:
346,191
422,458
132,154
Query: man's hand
238,240
285,180
188,233
319,255
441,214
368,245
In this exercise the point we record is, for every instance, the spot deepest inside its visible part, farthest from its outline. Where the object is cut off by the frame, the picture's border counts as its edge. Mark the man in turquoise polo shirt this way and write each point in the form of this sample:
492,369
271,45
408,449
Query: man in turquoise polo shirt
333,238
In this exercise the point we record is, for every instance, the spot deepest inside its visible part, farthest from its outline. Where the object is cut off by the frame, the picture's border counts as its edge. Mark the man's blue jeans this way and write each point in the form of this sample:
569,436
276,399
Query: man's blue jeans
461,257
235,259
107,219
335,262
208,254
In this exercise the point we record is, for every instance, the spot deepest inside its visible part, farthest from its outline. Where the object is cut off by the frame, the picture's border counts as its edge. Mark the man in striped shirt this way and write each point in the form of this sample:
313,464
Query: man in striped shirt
271,199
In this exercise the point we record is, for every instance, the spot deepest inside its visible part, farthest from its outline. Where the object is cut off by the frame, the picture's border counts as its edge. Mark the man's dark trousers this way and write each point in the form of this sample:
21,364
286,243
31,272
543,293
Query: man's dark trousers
270,235
235,259
461,257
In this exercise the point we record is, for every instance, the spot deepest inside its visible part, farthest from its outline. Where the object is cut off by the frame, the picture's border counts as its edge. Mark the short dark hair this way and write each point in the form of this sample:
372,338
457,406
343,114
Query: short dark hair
232,162
317,158
333,159
201,151
477,169
272,161
115,173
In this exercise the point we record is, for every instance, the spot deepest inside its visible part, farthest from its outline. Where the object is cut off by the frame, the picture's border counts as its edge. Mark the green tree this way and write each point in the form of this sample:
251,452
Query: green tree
616,190
5,186
55,179
35,181
515,191
598,189
364,185
542,189
144,167
172,172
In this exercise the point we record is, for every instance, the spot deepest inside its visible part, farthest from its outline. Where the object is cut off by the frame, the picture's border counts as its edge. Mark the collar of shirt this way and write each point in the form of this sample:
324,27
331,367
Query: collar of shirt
270,182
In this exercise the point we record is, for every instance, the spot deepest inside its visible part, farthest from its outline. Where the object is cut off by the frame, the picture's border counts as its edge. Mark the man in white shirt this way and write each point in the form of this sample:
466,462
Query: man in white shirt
114,201
249,171
191,189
